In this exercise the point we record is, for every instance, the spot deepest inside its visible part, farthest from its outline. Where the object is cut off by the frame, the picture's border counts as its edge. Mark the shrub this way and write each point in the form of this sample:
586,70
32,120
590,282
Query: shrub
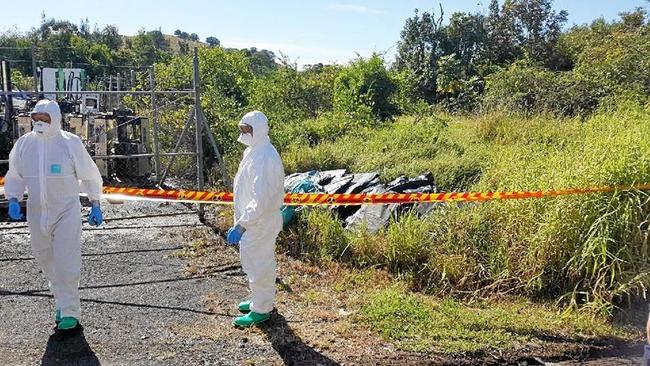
364,89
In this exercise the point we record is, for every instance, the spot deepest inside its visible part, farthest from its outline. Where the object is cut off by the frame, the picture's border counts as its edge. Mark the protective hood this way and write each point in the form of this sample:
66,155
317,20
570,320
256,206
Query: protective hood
260,124
52,108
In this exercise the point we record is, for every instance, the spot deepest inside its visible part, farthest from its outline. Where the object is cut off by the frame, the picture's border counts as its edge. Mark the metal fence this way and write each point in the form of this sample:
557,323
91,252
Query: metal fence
151,138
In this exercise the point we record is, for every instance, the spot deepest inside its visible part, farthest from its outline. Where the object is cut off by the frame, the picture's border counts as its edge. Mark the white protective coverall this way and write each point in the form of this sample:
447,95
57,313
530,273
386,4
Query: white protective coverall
259,195
54,167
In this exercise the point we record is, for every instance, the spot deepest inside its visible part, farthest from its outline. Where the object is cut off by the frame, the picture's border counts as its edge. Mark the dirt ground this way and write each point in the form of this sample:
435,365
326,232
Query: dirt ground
162,291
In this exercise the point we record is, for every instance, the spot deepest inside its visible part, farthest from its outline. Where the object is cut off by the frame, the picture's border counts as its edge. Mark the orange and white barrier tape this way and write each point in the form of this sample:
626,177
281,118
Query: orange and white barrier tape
324,199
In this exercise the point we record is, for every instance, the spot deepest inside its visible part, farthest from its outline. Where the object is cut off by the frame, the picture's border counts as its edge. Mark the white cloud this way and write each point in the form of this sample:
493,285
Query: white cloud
350,8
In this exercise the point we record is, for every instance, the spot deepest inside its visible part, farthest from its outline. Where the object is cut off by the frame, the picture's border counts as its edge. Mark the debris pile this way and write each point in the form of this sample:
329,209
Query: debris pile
374,217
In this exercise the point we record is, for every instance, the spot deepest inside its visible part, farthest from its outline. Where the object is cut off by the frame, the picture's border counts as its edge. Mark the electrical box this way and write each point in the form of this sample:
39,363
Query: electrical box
78,125
90,103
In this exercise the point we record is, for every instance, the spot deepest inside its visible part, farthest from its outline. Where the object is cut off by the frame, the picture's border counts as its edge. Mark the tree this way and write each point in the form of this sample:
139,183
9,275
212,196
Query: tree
194,37
93,55
502,34
51,27
149,47
110,36
540,27
465,39
520,27
57,35
213,41
14,38
457,90
84,28
418,51
617,56
261,62
364,90
178,32
634,20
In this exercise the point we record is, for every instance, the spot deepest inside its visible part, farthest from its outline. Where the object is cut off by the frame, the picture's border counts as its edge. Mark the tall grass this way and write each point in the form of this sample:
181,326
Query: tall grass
588,251
409,146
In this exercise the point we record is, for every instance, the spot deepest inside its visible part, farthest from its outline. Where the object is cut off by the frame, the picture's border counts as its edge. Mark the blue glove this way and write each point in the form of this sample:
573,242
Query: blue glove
14,210
95,216
234,235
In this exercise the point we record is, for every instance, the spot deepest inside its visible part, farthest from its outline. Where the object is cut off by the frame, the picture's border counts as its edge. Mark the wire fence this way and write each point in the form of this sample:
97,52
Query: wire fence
139,136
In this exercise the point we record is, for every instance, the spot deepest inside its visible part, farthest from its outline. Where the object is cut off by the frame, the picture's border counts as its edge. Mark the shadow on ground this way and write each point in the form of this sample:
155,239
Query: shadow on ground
289,346
69,349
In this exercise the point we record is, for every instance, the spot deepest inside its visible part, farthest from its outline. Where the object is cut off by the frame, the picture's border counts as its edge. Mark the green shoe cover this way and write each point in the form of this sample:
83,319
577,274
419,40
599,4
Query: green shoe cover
57,316
250,319
244,306
67,323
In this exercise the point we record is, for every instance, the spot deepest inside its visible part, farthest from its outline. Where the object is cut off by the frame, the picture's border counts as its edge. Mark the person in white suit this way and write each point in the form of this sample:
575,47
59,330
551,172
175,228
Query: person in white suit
259,195
55,167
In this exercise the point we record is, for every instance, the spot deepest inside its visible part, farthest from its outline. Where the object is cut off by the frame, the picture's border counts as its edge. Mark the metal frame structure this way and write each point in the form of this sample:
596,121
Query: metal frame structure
196,117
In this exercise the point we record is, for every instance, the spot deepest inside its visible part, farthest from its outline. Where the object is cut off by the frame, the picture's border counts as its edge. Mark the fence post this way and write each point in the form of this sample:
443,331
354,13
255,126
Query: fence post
199,129
154,116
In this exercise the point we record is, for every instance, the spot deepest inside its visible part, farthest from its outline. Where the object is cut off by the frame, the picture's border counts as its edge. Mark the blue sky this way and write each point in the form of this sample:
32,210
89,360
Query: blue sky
307,31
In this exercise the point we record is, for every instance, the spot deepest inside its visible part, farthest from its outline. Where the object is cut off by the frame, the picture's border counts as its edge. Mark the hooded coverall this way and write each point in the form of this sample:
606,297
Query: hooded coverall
55,167
259,195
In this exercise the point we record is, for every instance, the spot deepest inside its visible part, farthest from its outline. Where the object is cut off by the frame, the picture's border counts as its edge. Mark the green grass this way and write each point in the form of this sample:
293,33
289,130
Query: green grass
585,251
405,147
418,323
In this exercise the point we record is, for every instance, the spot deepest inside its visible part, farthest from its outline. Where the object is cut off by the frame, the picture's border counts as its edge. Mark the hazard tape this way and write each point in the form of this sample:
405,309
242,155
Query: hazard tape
324,199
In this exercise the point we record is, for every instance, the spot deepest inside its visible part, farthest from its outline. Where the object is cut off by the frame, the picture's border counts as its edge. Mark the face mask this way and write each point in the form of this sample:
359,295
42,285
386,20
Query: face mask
246,139
40,127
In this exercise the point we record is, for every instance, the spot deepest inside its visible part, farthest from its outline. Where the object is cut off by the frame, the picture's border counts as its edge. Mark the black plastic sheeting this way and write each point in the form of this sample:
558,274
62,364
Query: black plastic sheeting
374,217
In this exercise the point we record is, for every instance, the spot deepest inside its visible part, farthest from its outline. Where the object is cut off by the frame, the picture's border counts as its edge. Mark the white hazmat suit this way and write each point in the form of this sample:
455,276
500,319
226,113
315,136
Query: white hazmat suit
55,167
259,195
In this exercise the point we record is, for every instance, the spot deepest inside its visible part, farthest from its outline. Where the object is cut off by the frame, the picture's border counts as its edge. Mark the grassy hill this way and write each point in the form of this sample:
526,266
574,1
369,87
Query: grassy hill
175,43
